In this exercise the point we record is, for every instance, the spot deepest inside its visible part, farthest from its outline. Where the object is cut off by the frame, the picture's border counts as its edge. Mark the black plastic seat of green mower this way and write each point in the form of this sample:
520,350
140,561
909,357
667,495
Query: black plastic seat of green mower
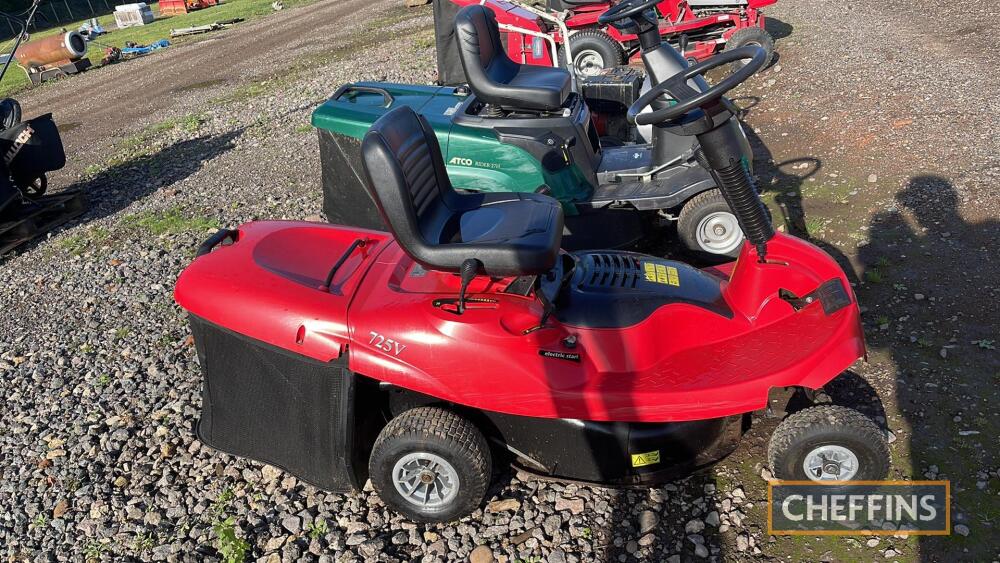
496,79
512,234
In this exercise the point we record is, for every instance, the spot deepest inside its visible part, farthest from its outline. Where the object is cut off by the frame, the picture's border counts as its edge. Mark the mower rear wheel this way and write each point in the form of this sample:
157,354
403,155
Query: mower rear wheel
431,465
828,443
708,227
594,51
753,36
10,113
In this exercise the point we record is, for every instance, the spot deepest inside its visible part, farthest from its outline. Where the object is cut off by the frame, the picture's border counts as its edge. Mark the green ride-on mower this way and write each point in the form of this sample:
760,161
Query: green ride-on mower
518,128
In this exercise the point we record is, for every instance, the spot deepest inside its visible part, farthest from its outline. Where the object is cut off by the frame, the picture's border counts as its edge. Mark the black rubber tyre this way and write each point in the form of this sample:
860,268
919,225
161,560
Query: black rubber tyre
10,113
433,431
595,44
697,209
827,425
752,36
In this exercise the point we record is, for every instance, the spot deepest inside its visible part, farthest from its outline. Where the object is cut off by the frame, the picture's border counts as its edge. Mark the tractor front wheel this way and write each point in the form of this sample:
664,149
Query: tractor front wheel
753,36
594,51
431,465
828,443
708,227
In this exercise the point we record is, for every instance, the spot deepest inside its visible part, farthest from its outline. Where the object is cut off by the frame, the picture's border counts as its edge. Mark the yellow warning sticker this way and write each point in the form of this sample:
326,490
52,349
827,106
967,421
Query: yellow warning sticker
648,458
661,273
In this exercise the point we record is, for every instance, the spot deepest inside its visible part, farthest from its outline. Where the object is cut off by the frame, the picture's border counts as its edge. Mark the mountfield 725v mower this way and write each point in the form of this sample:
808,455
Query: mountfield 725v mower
521,128
464,336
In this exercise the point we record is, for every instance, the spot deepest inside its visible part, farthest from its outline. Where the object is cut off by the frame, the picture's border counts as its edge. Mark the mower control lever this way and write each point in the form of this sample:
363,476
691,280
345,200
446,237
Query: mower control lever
469,270
689,99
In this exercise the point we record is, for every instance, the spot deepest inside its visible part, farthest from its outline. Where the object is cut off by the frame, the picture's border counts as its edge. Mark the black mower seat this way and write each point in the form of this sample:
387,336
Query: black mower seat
496,79
512,234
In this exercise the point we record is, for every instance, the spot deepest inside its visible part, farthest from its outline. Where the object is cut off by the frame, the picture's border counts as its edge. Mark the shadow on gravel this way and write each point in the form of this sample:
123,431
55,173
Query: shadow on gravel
930,280
117,187
785,179
777,28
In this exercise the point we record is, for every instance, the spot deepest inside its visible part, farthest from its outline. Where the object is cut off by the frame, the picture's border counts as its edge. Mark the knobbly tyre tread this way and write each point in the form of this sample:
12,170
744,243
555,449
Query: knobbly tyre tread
757,35
813,419
687,221
456,433
617,51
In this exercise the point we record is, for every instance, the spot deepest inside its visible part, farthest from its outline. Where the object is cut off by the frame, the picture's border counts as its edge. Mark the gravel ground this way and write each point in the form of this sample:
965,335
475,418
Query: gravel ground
891,169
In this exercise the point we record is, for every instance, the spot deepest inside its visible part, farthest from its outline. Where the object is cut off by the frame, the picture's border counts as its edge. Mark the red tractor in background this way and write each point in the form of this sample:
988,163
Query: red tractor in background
697,28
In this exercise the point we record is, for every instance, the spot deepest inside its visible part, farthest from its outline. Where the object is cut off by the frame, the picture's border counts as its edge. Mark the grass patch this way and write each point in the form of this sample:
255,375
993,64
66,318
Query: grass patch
424,41
78,244
16,80
170,221
815,225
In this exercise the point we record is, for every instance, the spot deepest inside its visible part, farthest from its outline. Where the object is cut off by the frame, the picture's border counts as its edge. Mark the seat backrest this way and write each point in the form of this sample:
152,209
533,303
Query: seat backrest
481,49
407,178
511,234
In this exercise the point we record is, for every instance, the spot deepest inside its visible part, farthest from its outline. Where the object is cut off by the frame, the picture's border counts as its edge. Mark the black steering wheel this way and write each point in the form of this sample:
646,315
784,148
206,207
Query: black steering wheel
688,98
626,9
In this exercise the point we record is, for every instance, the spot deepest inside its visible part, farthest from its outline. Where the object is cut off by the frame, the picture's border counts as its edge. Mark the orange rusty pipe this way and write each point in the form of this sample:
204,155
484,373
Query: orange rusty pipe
56,49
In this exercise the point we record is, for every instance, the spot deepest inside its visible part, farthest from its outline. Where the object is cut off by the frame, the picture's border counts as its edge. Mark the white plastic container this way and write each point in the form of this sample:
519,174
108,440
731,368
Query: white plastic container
130,15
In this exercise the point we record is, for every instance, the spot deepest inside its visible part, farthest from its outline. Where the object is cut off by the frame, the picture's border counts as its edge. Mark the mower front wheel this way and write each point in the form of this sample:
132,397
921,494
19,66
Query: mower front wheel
431,465
753,36
828,443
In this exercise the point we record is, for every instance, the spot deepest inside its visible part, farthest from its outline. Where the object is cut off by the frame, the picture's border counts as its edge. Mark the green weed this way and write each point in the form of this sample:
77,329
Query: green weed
170,221
232,547
317,528
143,542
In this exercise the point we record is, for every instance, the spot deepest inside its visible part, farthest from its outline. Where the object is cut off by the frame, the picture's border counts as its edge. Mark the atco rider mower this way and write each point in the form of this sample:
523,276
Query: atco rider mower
522,128
463,336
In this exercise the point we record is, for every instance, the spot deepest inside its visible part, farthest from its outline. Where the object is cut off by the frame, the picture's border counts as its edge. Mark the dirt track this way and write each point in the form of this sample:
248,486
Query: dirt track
143,91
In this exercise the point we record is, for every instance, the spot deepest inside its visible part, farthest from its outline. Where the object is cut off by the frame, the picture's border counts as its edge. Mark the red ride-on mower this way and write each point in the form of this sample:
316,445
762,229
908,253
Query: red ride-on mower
536,34
420,356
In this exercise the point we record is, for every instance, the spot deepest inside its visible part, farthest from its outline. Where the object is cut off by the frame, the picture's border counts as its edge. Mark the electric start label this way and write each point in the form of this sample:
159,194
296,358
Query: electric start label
859,508
559,355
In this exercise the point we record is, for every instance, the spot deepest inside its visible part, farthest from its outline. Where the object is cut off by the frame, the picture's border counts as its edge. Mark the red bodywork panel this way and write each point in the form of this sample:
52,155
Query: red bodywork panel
682,362
677,18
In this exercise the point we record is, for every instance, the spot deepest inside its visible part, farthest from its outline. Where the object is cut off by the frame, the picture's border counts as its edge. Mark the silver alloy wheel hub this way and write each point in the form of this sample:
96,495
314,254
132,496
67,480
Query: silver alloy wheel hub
719,233
588,62
831,463
426,480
